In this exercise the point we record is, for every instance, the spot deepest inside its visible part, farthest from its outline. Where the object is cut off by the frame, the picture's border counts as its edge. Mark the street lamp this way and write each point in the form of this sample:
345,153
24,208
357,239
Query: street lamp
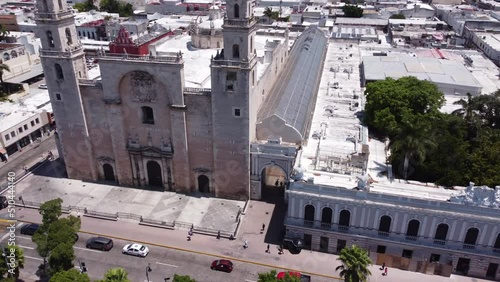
148,270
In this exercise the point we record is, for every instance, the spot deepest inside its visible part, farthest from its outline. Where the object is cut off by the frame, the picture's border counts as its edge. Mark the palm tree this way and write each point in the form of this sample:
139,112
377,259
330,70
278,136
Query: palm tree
268,12
355,262
116,275
3,32
3,67
19,258
467,110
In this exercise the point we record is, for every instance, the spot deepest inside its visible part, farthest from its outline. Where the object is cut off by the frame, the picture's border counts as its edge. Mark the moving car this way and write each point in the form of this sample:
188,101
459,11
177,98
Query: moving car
100,243
293,245
29,229
43,86
303,278
135,250
222,265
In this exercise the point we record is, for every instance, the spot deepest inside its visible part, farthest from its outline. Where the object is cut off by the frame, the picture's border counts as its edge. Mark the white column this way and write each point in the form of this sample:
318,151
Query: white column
336,214
432,230
395,223
404,224
291,206
424,225
317,216
375,220
494,235
362,223
353,218
462,231
483,233
301,209
452,236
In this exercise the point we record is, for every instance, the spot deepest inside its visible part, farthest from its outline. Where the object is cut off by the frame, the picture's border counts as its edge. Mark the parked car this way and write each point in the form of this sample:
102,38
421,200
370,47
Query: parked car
43,86
293,245
29,229
135,250
303,278
100,243
222,265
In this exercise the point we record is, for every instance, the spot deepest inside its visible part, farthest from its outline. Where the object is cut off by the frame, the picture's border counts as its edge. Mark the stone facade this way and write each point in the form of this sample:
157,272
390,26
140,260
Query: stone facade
460,239
140,126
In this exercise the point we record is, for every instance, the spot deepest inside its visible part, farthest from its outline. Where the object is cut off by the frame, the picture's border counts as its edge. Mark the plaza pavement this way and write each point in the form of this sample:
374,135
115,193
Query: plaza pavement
205,213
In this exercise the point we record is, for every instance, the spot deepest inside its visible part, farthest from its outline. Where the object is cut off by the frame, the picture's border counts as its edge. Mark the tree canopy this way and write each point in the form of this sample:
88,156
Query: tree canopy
117,274
56,236
117,6
397,16
352,11
430,146
355,262
72,275
85,6
182,278
271,276
5,270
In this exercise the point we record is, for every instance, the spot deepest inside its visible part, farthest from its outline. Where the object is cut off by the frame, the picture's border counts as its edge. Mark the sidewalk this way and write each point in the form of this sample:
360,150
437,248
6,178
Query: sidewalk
29,149
306,262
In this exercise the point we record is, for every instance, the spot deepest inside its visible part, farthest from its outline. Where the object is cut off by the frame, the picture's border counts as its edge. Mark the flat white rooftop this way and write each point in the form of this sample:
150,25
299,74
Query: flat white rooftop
14,113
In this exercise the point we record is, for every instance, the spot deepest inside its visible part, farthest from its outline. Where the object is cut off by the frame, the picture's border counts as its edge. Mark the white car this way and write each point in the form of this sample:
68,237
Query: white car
135,250
43,86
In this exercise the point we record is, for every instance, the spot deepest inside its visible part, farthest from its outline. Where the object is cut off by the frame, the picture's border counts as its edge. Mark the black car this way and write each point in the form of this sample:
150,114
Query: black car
29,229
100,243
293,245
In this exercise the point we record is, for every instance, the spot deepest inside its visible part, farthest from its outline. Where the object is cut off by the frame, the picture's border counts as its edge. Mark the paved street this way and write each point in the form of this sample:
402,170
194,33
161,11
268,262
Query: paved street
202,249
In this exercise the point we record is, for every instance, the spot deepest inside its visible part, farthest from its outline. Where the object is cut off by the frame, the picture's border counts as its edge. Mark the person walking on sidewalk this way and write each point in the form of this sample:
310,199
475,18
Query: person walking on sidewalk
385,271
245,245
268,249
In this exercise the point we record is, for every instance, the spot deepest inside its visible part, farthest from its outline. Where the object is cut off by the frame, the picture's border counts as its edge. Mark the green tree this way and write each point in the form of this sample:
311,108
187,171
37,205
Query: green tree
117,6
72,275
61,258
392,105
398,16
271,276
18,262
355,262
182,278
85,6
51,211
3,32
352,11
115,275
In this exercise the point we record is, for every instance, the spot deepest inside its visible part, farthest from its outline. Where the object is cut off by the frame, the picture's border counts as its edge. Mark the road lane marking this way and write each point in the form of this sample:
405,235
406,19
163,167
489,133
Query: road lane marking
33,258
23,237
8,233
24,247
246,280
166,264
208,254
85,249
8,220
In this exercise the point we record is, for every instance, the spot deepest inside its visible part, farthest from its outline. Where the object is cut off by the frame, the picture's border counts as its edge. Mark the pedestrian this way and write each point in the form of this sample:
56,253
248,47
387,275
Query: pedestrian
268,249
218,234
281,184
277,183
246,244
263,226
25,168
385,271
383,266
280,250
231,238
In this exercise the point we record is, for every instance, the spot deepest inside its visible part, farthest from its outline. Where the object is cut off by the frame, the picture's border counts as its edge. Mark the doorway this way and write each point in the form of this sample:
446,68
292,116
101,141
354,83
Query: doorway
323,244
463,266
273,182
341,244
154,174
109,174
491,272
203,184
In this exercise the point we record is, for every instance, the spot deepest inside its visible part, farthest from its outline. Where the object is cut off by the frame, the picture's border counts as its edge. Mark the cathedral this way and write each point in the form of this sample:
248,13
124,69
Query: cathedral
158,120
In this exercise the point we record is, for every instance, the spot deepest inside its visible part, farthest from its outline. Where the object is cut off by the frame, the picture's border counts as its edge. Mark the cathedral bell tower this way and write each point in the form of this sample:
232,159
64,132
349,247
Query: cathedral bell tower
63,62
233,109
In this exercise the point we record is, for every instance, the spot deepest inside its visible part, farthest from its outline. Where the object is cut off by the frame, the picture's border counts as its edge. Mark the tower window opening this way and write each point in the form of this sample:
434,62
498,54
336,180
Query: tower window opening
50,39
68,37
236,51
236,11
59,71
147,115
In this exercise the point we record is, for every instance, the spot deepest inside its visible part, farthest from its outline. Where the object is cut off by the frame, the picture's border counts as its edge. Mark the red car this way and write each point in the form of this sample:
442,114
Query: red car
222,265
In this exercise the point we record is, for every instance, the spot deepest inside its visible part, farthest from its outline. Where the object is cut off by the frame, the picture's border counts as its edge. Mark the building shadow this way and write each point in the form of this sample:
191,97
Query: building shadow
54,169
275,231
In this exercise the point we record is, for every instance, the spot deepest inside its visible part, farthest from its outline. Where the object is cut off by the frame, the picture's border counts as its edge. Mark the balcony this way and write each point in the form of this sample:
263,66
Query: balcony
239,22
142,58
439,242
53,16
62,54
375,234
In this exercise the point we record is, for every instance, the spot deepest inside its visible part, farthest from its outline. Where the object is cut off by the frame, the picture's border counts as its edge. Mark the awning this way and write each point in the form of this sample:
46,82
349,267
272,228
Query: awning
36,70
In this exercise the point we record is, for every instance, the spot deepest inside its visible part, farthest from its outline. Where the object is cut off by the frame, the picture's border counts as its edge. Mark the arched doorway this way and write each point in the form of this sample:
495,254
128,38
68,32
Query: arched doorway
384,226
203,184
273,182
109,174
471,236
154,174
344,220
